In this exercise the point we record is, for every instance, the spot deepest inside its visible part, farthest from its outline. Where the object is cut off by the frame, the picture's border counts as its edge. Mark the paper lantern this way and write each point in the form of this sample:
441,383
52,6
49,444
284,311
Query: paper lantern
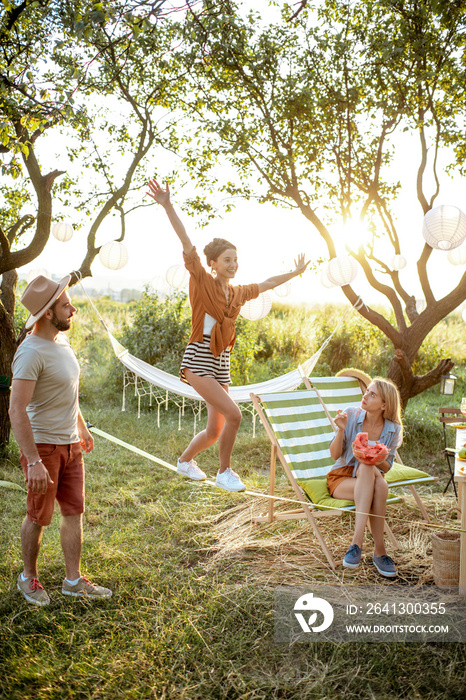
398,262
32,274
283,290
160,284
342,270
177,276
62,231
444,227
113,255
324,280
421,305
457,256
257,308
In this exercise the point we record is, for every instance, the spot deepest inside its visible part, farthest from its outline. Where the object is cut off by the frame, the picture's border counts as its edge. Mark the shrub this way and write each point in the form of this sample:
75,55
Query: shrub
159,330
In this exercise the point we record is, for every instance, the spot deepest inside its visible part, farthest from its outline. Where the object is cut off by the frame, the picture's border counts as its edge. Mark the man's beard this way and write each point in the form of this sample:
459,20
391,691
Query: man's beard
60,325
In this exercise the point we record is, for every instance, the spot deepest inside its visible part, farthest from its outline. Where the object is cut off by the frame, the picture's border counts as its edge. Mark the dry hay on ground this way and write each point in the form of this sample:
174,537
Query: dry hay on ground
287,552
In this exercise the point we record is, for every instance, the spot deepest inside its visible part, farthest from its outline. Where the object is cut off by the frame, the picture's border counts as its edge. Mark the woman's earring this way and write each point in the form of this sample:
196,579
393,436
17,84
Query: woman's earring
213,272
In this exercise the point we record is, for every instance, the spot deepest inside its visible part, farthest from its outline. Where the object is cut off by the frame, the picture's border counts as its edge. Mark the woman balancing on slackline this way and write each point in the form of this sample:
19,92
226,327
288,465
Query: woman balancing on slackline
205,366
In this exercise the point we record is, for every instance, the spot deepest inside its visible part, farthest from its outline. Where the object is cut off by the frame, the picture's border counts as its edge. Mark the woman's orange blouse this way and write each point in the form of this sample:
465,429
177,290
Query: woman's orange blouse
207,296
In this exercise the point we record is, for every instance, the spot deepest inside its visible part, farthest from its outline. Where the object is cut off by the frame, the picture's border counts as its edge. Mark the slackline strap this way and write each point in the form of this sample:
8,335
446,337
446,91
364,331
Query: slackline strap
162,463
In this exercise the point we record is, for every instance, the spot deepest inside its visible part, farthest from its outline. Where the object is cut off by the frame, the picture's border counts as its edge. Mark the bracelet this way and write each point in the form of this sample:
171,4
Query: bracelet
33,464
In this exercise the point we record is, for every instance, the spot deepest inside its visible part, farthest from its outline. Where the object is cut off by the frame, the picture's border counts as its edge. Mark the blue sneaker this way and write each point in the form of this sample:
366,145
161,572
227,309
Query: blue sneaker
384,565
352,557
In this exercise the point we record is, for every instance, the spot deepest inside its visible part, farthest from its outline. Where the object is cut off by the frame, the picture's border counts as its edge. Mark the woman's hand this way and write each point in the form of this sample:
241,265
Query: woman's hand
341,419
158,194
300,264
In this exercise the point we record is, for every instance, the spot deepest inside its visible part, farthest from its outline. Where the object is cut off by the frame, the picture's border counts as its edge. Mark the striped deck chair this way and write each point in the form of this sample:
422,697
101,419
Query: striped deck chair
343,391
300,433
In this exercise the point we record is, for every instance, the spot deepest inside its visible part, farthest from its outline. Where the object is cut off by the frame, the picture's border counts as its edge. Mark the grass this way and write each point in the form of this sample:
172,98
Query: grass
192,612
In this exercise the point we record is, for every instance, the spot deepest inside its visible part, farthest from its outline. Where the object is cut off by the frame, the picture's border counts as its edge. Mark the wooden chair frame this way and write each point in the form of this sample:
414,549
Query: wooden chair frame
412,488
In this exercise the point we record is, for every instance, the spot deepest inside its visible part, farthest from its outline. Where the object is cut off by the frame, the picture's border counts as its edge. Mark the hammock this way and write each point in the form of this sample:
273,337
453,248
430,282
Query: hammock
136,369
239,394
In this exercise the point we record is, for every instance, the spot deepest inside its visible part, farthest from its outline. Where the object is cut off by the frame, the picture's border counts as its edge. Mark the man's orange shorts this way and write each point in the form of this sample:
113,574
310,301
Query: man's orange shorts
65,465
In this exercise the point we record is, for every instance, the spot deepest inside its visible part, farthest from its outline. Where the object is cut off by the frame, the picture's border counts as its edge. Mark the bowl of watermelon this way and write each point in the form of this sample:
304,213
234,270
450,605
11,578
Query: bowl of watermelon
369,454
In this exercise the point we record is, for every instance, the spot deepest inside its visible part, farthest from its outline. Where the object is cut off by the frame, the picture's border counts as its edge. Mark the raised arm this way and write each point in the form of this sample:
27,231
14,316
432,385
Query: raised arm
275,281
162,196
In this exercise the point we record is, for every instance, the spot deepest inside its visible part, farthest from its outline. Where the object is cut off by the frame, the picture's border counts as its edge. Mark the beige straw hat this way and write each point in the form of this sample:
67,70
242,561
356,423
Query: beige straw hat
40,294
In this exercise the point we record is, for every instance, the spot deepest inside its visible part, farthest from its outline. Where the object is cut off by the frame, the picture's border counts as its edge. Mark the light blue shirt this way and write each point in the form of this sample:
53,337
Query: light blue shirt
390,436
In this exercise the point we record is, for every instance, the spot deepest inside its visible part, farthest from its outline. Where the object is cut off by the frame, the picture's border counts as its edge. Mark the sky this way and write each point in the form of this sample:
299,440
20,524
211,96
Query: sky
268,240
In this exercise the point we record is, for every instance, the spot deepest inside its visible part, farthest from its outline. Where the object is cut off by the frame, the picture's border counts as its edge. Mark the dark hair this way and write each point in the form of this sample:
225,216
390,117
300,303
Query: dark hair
216,248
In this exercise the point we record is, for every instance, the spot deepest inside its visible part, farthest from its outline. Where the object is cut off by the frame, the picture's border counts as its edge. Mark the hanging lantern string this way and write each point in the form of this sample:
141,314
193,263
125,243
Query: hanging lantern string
79,278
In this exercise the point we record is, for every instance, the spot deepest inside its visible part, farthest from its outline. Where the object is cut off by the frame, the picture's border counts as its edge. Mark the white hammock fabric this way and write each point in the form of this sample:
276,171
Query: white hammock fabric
239,394
173,385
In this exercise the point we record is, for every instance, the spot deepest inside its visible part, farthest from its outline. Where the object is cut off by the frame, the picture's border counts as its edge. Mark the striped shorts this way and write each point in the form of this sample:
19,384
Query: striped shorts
200,360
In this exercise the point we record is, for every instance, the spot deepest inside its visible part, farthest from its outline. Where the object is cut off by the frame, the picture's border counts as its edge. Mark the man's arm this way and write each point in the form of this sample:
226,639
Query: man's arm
21,395
87,441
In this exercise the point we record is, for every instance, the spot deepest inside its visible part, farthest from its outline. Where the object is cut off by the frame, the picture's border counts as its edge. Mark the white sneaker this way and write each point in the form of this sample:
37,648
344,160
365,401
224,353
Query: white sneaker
229,481
190,469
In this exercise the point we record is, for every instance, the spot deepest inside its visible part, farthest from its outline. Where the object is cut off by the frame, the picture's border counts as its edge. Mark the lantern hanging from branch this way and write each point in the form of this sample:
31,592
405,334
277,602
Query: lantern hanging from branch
113,255
342,270
398,262
62,231
457,256
447,384
324,280
283,289
160,284
177,276
32,274
444,227
257,308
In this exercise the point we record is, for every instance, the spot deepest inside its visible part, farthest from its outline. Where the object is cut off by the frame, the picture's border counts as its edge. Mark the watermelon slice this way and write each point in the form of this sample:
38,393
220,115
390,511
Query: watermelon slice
370,454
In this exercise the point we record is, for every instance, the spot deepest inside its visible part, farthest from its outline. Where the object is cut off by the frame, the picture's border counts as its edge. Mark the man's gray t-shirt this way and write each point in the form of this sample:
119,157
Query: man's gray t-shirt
53,410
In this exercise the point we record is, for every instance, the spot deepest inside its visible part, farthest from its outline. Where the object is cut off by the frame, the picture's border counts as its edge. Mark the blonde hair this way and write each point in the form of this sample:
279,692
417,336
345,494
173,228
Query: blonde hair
390,395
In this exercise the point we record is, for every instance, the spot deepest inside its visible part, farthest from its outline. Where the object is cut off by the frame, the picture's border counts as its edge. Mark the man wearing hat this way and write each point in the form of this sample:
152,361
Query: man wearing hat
51,433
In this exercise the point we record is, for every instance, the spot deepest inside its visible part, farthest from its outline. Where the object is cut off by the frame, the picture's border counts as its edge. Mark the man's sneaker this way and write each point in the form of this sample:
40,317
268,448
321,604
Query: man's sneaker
190,469
384,565
85,589
32,590
229,480
352,557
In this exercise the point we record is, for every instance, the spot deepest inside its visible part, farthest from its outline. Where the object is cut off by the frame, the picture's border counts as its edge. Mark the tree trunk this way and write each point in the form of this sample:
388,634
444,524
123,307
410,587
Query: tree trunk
400,372
7,350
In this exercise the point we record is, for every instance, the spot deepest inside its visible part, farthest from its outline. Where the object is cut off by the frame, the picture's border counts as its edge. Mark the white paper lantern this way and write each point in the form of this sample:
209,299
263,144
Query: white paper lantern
444,227
113,255
342,270
160,284
32,274
62,231
421,305
177,276
257,308
324,280
398,262
457,256
283,289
